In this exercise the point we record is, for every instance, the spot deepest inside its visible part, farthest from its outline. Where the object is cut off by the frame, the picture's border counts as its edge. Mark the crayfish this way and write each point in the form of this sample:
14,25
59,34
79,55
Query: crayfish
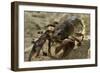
65,34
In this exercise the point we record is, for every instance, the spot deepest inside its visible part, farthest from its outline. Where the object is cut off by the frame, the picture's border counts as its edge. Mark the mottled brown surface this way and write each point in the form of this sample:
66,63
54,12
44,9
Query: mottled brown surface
36,21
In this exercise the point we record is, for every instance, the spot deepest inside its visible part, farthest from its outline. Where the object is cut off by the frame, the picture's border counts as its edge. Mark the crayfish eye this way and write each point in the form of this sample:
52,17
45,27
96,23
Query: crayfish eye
59,33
